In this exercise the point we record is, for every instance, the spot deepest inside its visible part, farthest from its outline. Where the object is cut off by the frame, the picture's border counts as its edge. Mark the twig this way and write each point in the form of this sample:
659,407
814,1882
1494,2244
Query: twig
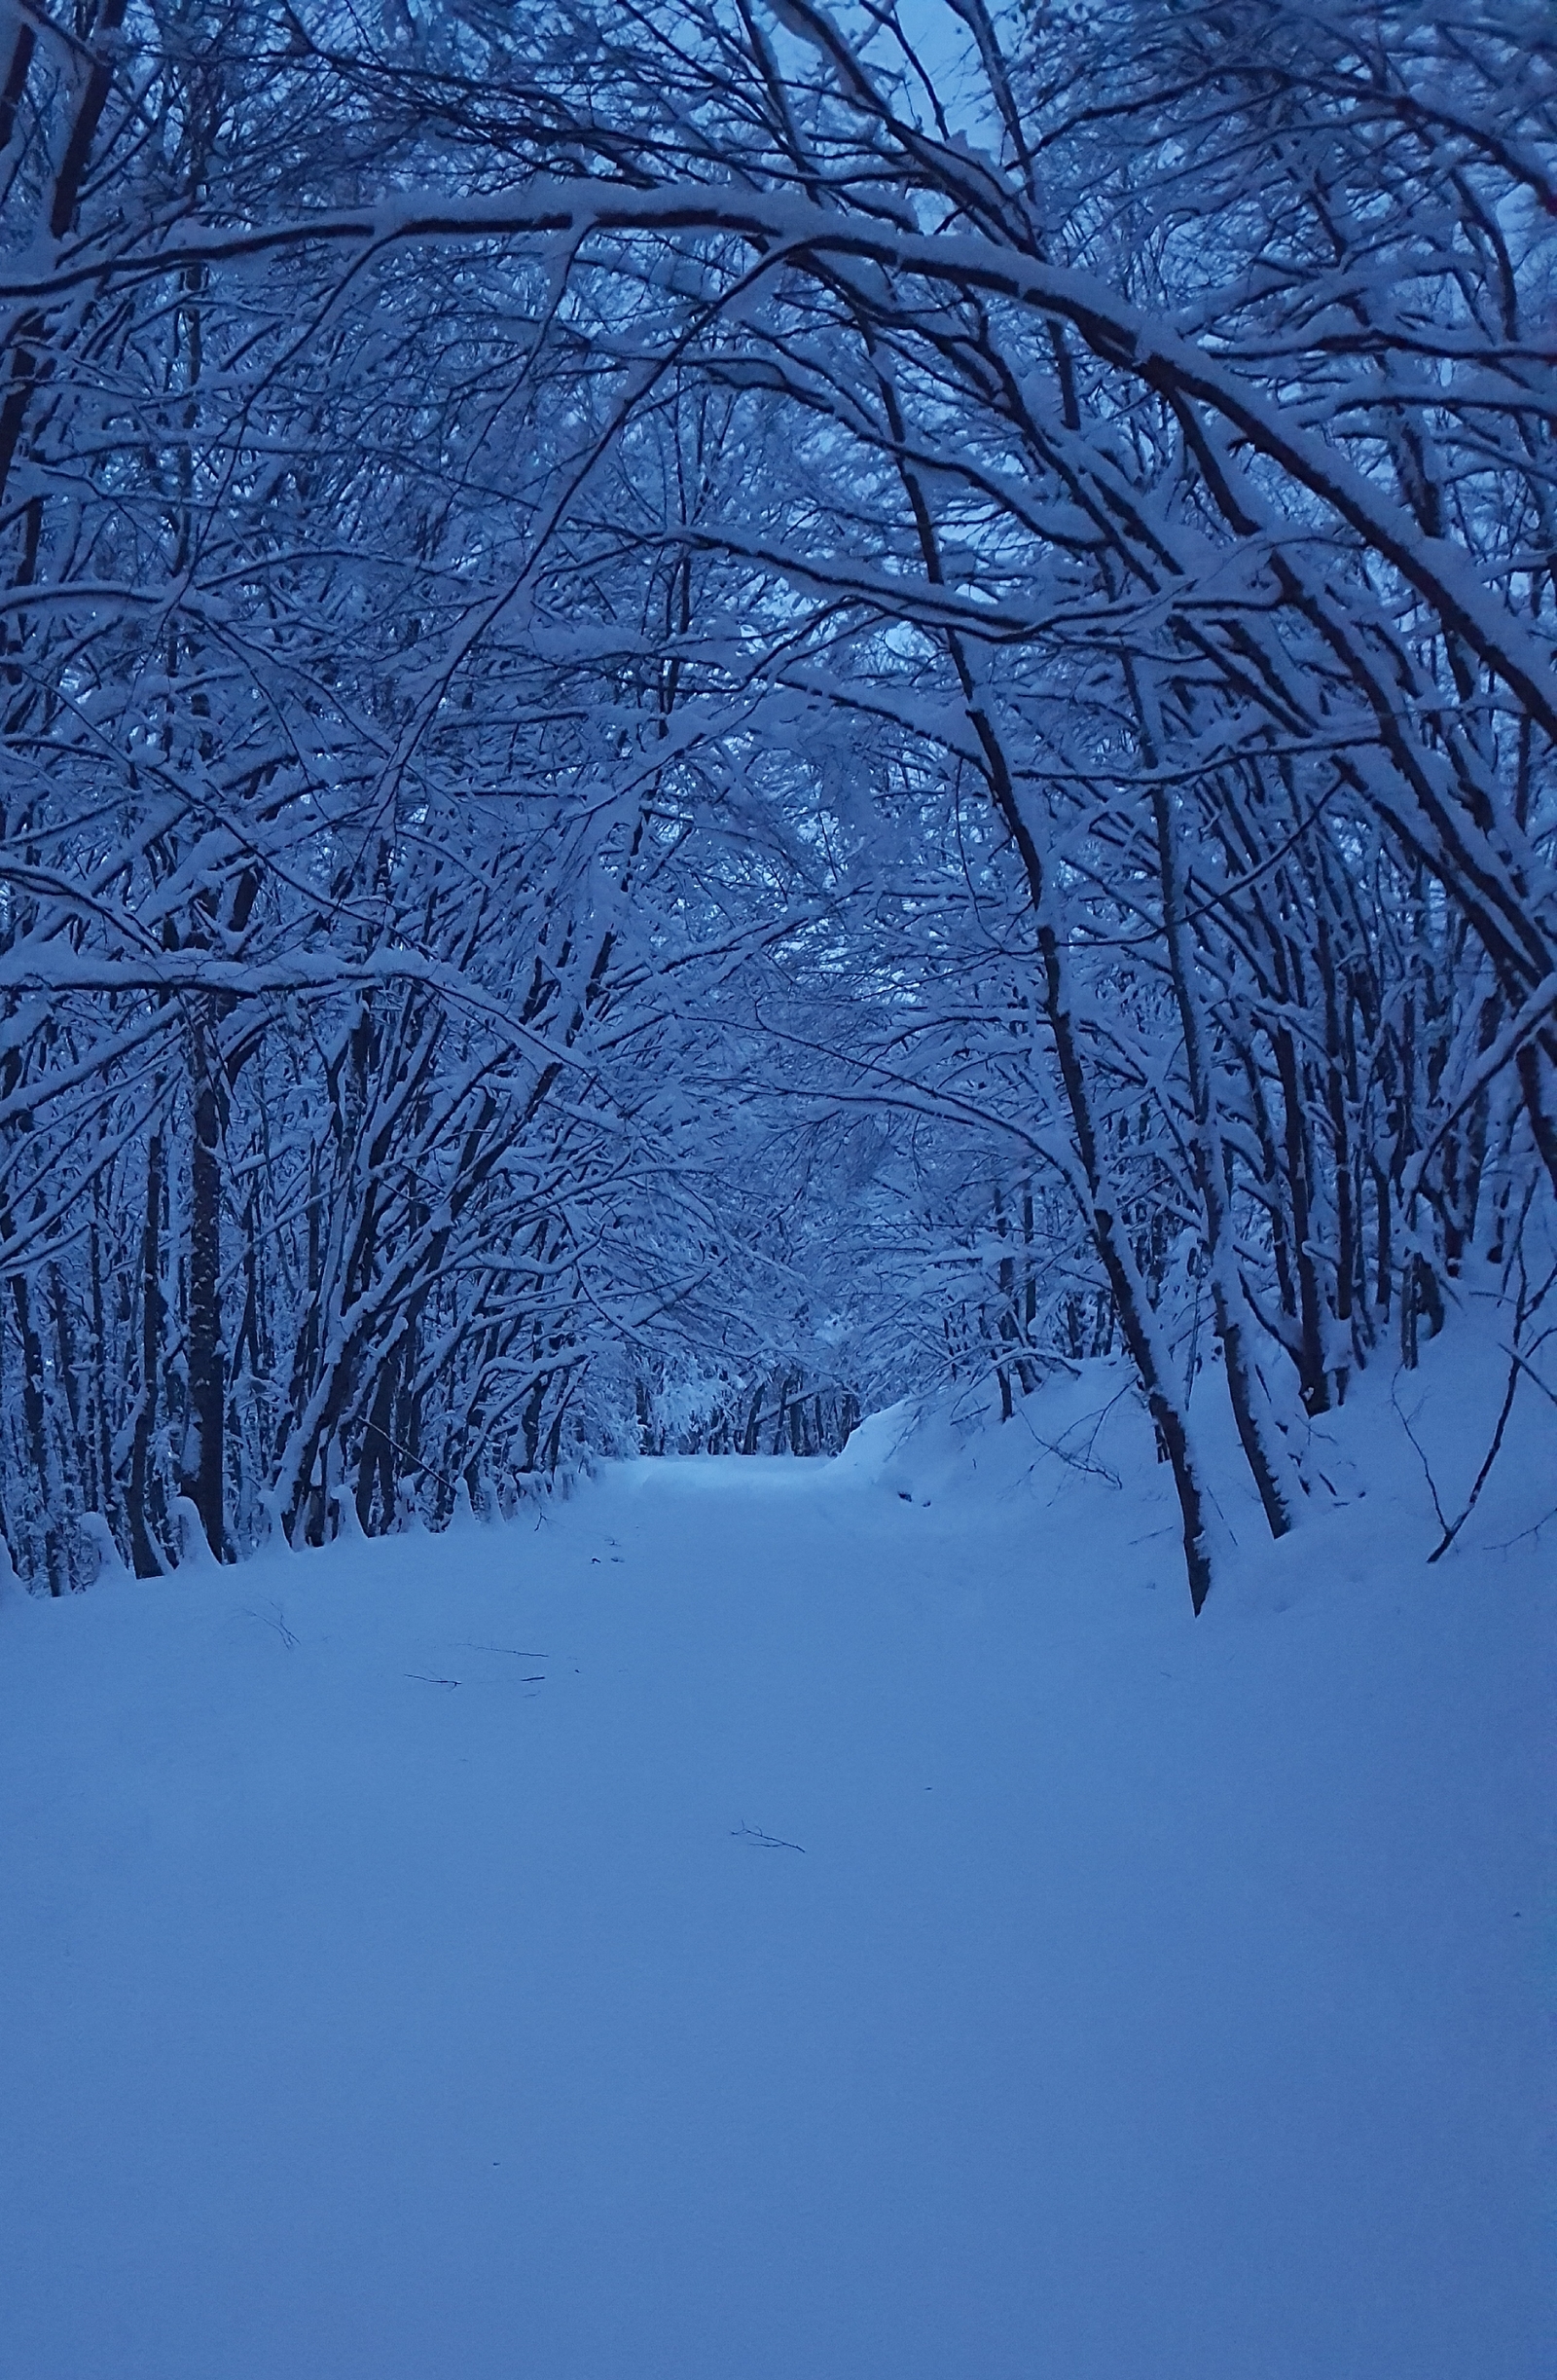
431,1469
275,1619
1083,1462
1515,1367
1530,1372
761,1842
1452,1531
1506,1545
1427,1468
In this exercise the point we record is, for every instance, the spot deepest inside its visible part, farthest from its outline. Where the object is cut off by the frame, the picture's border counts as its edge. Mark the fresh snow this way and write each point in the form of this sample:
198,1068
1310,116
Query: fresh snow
775,1921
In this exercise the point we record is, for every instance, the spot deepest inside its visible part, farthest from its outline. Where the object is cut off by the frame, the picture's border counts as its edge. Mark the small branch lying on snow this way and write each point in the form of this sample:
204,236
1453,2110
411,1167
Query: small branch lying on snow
1453,1529
1432,1484
275,1619
761,1842
1518,1365
1529,1372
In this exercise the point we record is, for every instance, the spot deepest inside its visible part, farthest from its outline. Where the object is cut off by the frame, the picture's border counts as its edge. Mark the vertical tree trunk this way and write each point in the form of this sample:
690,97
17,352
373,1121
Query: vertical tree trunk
145,1498
1257,1432
205,1478
1138,1319
35,1411
1312,1373
375,1461
101,1394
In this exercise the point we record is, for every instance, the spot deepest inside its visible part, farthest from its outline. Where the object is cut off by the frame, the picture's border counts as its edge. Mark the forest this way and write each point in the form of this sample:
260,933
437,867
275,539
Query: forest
714,711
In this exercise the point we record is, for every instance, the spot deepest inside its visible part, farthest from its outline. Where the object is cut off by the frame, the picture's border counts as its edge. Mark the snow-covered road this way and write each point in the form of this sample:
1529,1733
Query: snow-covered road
400,1982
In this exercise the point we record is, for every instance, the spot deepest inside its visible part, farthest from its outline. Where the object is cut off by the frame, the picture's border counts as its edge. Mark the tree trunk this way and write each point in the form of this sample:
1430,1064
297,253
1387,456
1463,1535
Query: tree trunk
205,1477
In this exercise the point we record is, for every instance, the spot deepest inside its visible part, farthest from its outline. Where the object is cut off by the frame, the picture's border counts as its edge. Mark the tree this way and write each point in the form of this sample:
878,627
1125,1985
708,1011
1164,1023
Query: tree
595,600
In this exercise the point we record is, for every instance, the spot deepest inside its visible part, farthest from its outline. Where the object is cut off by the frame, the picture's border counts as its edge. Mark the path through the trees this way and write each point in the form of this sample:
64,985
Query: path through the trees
777,1921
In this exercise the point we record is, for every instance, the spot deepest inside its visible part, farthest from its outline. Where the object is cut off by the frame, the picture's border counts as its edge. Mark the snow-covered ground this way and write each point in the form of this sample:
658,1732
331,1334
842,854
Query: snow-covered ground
799,1922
